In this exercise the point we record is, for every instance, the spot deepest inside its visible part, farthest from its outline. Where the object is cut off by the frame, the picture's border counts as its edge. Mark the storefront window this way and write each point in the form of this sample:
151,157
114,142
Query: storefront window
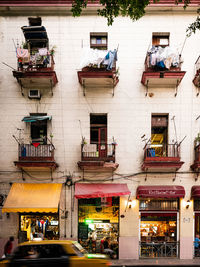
98,219
159,204
40,226
158,228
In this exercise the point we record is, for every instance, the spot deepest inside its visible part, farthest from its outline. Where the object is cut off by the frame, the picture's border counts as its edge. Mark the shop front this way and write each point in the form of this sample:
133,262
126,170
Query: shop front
159,220
37,206
195,194
98,215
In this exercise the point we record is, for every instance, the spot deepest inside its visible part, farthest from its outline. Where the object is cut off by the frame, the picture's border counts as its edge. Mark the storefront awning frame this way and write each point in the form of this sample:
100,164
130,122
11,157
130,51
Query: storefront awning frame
36,118
32,197
155,192
195,191
97,190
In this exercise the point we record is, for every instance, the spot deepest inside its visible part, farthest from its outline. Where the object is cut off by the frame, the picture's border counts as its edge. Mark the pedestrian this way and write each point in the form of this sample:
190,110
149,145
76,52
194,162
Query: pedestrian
196,245
8,246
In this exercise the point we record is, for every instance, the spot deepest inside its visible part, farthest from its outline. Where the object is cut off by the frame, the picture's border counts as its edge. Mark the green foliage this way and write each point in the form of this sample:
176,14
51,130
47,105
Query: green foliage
193,27
134,9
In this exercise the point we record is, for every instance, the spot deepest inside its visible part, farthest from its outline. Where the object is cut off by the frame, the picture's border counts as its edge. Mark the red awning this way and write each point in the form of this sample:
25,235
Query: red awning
174,191
195,192
100,190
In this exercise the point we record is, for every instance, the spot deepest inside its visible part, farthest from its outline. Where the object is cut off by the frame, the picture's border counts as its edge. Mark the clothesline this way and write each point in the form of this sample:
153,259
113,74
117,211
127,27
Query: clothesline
96,58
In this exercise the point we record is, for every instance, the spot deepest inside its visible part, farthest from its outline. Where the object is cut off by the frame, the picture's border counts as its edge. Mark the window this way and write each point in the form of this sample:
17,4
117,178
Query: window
99,40
98,128
160,39
39,129
159,134
159,204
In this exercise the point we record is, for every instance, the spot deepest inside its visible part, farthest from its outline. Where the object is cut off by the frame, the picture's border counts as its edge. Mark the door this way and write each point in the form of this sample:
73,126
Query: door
102,142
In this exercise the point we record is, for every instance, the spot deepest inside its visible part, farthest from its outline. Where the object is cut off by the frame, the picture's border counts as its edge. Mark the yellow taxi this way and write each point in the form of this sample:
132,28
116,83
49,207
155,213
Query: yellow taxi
53,253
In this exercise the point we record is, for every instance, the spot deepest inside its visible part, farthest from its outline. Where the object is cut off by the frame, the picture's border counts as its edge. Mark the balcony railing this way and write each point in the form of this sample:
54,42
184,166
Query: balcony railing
98,152
162,63
162,150
42,152
197,153
159,249
46,64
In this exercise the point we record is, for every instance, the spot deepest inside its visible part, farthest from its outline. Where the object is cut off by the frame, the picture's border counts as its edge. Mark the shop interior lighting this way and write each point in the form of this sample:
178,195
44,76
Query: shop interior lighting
88,221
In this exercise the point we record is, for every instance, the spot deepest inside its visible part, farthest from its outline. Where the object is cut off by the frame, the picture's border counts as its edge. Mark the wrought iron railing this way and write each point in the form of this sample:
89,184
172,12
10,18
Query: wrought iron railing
98,151
149,67
159,249
197,153
41,151
197,65
38,66
162,150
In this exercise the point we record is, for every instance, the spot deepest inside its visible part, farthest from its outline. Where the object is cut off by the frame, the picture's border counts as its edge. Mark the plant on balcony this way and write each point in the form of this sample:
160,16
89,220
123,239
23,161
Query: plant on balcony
52,50
197,140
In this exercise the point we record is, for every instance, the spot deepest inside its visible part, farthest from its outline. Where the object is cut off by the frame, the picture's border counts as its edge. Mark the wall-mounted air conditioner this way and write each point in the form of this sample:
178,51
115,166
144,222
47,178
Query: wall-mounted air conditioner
34,94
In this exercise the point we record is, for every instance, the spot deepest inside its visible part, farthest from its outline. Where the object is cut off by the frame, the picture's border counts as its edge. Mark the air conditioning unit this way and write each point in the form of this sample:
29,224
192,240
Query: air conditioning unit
34,94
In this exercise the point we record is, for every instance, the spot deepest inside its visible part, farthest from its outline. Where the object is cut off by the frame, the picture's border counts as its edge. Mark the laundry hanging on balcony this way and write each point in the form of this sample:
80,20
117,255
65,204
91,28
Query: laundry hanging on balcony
98,58
163,57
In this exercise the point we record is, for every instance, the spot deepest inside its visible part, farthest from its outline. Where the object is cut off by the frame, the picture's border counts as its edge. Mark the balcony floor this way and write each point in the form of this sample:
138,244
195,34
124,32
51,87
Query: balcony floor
97,165
162,164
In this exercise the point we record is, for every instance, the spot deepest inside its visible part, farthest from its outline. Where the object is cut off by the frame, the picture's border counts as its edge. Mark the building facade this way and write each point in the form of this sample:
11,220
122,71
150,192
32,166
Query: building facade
100,143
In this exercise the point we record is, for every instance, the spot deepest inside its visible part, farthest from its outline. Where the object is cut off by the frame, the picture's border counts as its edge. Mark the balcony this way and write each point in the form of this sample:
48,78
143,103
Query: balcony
101,72
36,157
163,157
196,165
98,157
35,66
196,79
162,71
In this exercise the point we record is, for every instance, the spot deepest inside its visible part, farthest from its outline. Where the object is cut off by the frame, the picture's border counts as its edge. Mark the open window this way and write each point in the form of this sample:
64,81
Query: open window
159,134
160,39
99,40
39,129
98,132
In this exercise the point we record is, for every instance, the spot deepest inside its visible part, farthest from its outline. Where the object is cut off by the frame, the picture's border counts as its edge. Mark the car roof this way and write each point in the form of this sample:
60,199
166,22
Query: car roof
46,242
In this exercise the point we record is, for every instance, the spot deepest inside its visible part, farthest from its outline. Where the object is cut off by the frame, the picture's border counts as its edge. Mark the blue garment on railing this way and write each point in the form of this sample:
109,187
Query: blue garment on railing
111,57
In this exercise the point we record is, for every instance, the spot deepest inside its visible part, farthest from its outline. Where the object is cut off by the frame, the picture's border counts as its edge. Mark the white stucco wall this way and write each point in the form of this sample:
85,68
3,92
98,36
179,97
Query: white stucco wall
129,111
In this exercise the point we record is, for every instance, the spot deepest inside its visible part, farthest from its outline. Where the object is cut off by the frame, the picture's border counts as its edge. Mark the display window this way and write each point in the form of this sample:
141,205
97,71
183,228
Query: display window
197,228
159,227
98,220
39,226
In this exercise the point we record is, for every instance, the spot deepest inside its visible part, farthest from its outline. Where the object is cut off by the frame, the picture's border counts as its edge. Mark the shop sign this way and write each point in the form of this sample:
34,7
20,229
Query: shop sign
162,192
54,222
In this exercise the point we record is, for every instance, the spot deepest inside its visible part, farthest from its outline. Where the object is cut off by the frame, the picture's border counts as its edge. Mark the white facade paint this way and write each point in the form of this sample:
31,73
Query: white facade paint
129,111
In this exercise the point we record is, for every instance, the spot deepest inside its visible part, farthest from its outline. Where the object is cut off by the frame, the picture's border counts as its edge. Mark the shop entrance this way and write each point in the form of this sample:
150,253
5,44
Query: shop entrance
159,229
35,226
197,228
98,220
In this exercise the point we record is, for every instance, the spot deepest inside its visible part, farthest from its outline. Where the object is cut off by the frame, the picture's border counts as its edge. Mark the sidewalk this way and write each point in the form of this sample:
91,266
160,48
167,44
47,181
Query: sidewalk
153,262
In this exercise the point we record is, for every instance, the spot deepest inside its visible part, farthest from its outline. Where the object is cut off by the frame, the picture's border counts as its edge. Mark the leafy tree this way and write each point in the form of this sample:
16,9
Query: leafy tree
134,9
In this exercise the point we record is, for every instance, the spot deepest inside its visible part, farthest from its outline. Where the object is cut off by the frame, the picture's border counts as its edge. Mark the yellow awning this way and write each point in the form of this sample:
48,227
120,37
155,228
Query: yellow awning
27,197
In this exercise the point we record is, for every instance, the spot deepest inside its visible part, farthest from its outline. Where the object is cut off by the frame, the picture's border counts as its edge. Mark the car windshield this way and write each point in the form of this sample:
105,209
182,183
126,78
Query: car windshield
79,249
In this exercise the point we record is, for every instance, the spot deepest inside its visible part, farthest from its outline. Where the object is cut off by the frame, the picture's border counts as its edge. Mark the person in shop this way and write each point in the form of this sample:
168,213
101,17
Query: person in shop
107,249
40,234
